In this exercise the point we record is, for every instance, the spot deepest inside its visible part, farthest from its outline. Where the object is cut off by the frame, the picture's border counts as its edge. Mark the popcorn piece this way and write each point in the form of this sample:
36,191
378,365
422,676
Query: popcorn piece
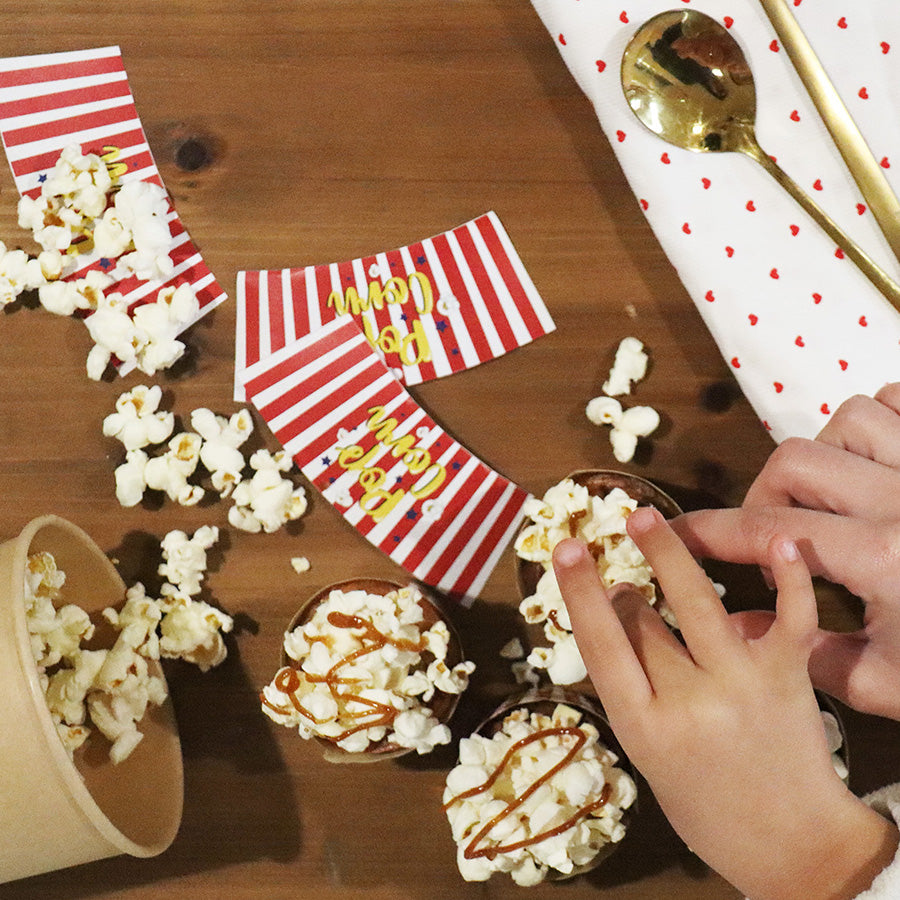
138,219
113,332
170,472
63,298
531,778
131,480
568,510
627,425
300,564
192,630
222,439
18,273
267,501
185,558
629,366
137,421
158,325
364,668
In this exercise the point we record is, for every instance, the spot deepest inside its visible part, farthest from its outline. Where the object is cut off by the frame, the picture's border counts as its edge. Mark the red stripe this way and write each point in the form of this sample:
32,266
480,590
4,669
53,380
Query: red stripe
64,98
504,265
61,71
473,326
485,288
457,462
509,514
297,287
251,318
358,388
43,162
465,528
276,311
100,118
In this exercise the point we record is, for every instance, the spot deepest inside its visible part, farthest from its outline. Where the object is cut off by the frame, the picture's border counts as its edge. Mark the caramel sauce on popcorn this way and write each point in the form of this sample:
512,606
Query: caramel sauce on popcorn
288,680
490,851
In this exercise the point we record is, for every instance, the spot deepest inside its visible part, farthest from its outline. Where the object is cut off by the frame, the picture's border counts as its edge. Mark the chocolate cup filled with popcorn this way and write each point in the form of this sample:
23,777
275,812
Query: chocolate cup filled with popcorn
592,505
370,669
541,791
63,803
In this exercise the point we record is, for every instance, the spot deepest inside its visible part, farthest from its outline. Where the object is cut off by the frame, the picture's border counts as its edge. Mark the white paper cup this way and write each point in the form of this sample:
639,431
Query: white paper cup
55,813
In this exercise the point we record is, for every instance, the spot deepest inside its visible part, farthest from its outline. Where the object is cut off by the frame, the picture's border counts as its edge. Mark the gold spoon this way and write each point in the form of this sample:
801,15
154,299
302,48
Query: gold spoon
685,77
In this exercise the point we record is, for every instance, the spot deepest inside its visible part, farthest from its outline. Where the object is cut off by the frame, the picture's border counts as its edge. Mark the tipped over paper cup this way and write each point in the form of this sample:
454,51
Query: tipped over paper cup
57,810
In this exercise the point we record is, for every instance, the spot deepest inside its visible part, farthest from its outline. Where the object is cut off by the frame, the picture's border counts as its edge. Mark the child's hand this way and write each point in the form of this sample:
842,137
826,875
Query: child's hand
726,730
838,497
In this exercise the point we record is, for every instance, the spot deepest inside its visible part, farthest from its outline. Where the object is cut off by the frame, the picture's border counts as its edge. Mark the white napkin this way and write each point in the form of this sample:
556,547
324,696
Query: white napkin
801,328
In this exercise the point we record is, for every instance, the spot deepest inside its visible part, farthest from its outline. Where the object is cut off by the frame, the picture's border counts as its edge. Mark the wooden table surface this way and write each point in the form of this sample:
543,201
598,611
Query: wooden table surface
333,130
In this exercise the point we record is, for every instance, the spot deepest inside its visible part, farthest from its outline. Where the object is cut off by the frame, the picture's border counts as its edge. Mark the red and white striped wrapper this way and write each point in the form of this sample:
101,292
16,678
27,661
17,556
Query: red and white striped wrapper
376,456
54,100
430,309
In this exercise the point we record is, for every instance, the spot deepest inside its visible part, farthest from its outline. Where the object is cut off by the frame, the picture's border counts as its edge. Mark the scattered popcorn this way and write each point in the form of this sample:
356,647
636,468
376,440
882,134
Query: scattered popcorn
363,669
267,501
72,196
300,564
19,273
184,558
263,502
137,221
170,471
81,210
569,510
222,439
113,688
540,797
629,366
628,425
137,420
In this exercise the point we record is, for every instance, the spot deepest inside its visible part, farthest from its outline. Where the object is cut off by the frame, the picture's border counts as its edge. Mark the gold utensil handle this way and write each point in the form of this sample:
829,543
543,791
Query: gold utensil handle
866,171
889,289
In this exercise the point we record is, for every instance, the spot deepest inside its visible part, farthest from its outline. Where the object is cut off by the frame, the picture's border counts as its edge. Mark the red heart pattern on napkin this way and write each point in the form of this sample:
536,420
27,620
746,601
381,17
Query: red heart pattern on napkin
779,277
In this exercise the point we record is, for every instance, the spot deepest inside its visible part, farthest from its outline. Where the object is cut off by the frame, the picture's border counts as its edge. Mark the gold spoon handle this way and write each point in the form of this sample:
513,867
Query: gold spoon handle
866,171
866,265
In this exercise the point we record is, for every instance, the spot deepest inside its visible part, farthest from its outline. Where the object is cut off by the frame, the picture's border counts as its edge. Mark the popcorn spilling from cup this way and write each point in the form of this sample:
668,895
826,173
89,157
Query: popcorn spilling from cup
81,210
111,689
263,498
627,425
540,797
364,670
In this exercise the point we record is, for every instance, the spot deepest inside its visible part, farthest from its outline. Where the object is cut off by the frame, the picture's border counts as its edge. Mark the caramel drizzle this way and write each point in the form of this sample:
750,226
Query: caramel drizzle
472,851
288,680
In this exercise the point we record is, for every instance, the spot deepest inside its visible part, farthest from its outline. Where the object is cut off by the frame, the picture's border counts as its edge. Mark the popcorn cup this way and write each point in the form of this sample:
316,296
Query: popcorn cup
544,700
55,812
442,704
600,482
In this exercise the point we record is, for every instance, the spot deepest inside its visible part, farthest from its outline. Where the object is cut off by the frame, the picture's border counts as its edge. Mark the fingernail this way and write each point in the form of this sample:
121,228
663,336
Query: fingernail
788,551
643,519
568,552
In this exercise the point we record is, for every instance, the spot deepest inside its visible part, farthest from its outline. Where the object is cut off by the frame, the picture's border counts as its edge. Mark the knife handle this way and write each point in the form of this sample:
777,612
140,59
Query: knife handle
866,171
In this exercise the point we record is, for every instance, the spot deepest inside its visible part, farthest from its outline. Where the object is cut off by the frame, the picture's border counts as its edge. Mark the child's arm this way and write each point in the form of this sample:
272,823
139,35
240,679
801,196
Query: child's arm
726,730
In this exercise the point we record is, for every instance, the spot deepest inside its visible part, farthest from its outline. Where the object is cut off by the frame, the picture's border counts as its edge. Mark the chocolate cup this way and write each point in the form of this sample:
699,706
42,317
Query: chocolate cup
599,482
544,700
442,705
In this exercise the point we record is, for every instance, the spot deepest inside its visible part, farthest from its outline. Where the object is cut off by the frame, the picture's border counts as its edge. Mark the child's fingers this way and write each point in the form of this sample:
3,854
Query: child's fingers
702,619
607,652
796,614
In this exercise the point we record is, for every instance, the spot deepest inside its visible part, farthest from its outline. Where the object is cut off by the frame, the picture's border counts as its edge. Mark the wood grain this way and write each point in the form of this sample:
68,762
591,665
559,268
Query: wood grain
324,131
